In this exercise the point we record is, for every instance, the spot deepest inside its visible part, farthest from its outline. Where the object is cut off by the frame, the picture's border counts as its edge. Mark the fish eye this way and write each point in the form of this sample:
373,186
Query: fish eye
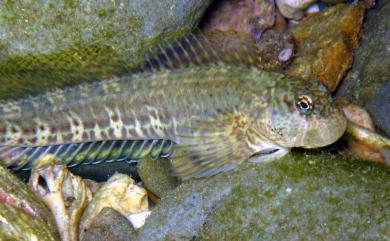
304,104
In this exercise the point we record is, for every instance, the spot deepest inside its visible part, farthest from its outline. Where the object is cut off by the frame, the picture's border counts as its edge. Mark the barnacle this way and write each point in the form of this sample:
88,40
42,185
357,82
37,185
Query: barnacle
64,193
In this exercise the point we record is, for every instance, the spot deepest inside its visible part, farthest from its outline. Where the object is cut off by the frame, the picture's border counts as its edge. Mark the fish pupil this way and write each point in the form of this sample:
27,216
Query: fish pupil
304,104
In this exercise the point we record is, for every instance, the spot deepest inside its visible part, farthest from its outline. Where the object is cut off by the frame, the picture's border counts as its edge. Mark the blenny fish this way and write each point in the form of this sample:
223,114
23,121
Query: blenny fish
206,110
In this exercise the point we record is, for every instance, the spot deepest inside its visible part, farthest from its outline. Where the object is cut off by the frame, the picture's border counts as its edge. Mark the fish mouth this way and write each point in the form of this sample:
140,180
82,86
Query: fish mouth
269,154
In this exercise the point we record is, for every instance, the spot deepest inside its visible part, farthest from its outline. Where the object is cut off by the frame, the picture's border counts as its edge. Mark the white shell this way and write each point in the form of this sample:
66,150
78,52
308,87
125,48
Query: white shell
293,9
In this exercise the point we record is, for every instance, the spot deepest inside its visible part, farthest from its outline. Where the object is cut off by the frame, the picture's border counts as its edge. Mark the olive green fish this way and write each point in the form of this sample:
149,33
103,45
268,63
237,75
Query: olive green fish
206,118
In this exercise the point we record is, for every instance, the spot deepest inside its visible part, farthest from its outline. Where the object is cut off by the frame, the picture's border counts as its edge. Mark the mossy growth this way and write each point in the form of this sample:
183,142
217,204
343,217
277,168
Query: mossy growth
306,195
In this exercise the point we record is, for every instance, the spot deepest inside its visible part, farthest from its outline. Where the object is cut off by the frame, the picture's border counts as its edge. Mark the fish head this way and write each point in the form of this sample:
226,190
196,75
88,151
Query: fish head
303,115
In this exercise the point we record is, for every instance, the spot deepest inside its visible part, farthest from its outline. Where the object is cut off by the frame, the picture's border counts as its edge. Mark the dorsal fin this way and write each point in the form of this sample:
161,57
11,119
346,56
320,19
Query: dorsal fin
204,48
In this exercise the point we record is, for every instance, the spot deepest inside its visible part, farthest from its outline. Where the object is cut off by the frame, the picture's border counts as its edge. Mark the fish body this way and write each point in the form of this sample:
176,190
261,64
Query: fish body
214,115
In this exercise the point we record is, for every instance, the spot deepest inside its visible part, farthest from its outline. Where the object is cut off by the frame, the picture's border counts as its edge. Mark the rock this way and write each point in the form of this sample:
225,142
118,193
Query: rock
157,176
309,196
378,107
324,44
276,49
92,185
265,52
65,42
371,68
312,10
23,215
110,225
358,115
138,219
293,9
357,148
247,16
366,84
256,25
119,193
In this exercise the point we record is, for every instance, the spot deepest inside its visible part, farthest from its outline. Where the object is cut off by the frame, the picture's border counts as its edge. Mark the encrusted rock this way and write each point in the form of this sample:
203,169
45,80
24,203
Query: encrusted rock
120,193
311,196
65,42
247,16
324,44
157,175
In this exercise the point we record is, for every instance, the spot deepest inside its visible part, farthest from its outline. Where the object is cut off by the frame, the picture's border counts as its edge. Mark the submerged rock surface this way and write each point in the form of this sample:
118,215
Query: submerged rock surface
312,196
325,43
368,82
157,175
57,43
110,225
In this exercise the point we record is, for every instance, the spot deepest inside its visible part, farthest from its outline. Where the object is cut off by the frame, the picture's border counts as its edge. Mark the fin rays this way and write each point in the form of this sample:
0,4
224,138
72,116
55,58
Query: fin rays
199,49
24,158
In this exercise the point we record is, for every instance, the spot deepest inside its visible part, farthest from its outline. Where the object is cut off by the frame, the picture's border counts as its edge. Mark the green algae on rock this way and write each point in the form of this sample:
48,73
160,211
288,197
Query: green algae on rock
157,176
310,196
23,216
85,34
325,43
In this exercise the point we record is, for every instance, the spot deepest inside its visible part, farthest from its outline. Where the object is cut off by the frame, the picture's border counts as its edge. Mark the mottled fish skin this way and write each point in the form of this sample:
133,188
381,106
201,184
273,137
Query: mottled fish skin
218,115
147,106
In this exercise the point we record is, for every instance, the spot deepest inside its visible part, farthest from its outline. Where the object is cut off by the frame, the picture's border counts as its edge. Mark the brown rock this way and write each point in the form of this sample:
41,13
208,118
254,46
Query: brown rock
247,16
324,43
356,146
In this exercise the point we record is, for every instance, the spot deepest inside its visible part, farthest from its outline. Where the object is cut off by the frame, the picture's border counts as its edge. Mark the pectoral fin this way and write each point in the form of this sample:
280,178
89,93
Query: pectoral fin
205,148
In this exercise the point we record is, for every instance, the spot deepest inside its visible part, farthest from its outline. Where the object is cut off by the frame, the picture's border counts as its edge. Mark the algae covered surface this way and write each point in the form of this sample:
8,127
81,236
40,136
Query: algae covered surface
61,43
313,196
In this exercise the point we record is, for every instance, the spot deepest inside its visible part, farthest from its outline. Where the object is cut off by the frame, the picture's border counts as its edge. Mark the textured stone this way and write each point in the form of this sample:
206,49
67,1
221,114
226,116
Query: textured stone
157,176
367,83
247,16
120,193
379,106
58,43
325,42
311,196
110,225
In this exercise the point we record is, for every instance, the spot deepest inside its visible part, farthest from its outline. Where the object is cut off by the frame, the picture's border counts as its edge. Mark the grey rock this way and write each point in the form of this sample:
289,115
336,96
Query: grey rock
371,67
311,196
379,108
157,176
110,225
